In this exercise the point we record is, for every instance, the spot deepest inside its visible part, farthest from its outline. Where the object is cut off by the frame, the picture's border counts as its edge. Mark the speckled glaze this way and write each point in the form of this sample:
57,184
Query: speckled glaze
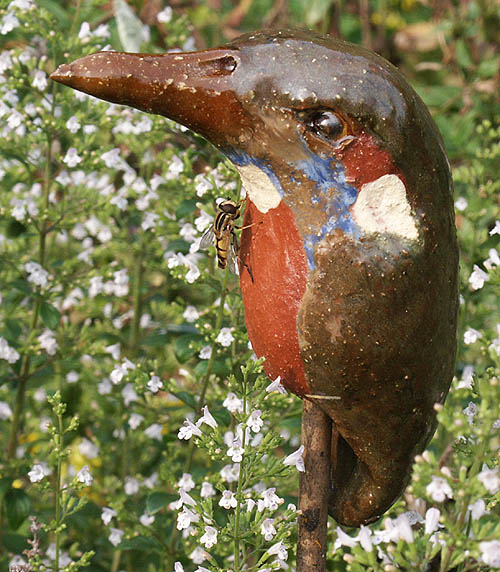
358,317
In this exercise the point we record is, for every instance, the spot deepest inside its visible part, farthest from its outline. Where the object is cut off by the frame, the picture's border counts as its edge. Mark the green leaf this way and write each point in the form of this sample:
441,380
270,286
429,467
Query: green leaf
5,484
129,26
183,350
50,315
13,328
14,542
157,501
221,415
17,506
140,543
155,340
463,55
187,398
186,207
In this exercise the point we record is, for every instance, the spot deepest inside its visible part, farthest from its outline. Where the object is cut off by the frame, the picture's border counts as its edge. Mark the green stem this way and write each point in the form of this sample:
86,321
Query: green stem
137,302
240,484
60,438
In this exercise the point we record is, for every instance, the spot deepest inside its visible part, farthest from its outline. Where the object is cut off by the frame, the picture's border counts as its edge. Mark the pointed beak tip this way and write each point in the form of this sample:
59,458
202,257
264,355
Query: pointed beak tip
62,74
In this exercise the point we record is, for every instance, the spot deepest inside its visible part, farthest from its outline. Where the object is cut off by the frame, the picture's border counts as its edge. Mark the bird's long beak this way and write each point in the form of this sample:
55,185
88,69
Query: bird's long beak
193,88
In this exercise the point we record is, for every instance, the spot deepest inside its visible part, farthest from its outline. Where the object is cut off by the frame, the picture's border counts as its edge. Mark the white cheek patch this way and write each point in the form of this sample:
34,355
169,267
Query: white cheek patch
382,208
259,188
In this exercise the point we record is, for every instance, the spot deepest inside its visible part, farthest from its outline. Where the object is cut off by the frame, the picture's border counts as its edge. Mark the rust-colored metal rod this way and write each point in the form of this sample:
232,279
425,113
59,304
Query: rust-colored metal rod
314,488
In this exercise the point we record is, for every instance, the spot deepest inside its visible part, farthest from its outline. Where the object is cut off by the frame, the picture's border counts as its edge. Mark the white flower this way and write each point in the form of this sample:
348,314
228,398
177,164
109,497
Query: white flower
467,378
115,536
493,259
267,529
205,352
478,278
198,555
185,518
72,158
191,314
164,17
48,342
114,350
186,482
146,519
38,472
236,451
432,520
154,431
104,387
135,420
178,567
192,274
255,421
73,125
490,551
207,491
72,377
187,430
154,384
477,509
88,449
209,539
84,476
8,353
364,538
471,335
112,159
131,486
175,168
461,204
207,418
439,489
396,529
470,411
269,500
496,228
8,23
276,386
296,459
5,411
107,515
230,473
489,479
495,343
343,539
129,394
40,80
279,549
228,500
233,403
36,274
225,338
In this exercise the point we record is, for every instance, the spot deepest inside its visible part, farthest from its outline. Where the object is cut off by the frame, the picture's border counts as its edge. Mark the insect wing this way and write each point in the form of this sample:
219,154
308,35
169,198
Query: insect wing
232,255
208,237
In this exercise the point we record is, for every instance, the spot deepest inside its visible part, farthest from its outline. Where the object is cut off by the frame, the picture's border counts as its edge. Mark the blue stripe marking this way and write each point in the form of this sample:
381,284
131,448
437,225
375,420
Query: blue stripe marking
329,175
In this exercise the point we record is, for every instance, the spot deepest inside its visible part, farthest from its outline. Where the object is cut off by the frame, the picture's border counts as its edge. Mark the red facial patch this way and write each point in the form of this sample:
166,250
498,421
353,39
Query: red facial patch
273,275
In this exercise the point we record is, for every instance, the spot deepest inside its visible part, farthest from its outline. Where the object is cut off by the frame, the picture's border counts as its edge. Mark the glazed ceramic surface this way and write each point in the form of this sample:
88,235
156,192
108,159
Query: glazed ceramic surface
349,279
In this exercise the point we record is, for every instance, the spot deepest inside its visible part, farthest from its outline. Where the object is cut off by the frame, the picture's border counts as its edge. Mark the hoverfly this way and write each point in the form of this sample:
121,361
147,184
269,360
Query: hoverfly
221,232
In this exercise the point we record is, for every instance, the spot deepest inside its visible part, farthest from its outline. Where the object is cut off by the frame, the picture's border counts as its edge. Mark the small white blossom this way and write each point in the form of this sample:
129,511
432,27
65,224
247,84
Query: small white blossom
186,482
88,449
115,536
8,23
38,472
72,377
279,549
73,125
187,430
7,352
84,476
496,228
207,418
493,259
296,459
233,403
107,515
5,411
470,411
432,520
154,431
154,384
72,159
164,17
205,352
467,378
185,518
495,343
236,451
209,539
146,519
230,473
40,80
114,350
439,489
207,491
255,421
478,278
461,204
135,420
104,387
489,479
178,567
191,314
198,555
276,386
36,274
477,509
48,342
225,338
267,529
129,394
228,500
131,486
490,551
270,500
471,335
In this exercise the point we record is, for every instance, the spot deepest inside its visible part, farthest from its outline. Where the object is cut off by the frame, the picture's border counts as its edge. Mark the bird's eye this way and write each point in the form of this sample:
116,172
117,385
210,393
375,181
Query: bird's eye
220,66
326,124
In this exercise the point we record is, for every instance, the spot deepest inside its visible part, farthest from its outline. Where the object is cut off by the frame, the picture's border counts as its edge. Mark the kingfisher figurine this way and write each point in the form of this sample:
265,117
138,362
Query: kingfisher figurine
348,256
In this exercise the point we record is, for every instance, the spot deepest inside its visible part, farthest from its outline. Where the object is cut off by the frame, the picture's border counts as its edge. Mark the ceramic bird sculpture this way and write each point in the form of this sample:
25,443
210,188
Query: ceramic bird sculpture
348,262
